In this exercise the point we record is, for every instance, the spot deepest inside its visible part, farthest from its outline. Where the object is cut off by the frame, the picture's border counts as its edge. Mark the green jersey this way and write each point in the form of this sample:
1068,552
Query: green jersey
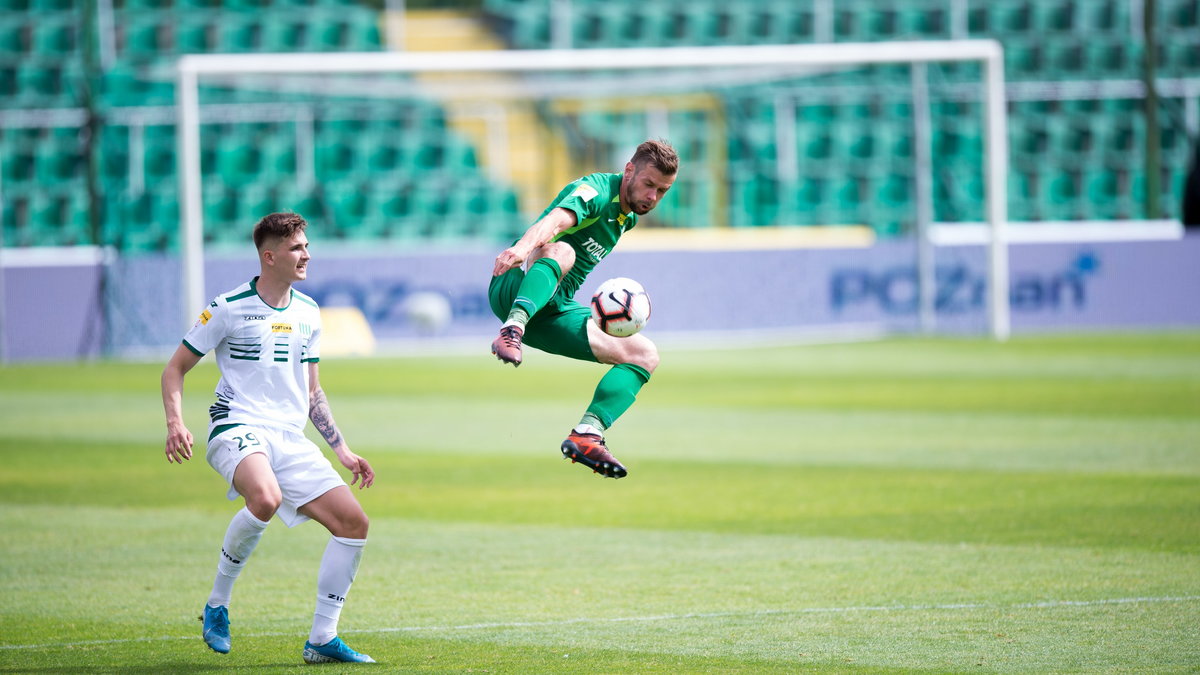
595,200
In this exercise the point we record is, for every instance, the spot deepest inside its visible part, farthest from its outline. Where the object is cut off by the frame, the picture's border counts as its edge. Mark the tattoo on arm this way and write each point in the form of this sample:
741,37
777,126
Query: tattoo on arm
322,419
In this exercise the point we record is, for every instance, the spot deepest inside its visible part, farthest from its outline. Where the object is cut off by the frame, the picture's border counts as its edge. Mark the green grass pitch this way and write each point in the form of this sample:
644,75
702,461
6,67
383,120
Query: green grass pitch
930,505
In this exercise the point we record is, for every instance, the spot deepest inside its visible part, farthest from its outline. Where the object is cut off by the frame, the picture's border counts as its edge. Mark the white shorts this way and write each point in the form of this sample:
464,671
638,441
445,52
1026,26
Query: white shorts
301,469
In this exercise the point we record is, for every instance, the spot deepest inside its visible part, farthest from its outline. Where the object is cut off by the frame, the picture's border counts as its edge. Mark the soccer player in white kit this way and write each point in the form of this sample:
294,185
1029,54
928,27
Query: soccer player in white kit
266,336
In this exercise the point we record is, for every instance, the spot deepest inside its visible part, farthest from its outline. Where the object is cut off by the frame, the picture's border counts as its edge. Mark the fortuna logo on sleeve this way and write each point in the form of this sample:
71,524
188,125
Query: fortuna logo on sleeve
585,192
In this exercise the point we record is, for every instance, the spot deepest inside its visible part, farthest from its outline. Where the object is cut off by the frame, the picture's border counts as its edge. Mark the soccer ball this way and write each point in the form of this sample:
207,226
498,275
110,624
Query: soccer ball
621,307
429,312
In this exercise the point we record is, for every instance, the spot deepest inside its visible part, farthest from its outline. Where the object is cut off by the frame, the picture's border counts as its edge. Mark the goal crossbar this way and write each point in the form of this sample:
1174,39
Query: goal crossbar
989,53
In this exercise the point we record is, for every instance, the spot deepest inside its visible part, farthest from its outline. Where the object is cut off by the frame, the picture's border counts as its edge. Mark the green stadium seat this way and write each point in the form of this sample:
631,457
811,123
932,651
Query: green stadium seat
277,157
530,27
1054,16
16,165
137,6
347,205
237,160
54,36
1101,188
284,34
380,154
700,22
247,5
50,6
335,160
1095,17
220,205
294,198
846,193
1009,17
39,84
236,33
892,190
54,165
1182,57
1109,58
142,36
1061,196
854,140
1065,58
651,25
13,35
192,35
925,22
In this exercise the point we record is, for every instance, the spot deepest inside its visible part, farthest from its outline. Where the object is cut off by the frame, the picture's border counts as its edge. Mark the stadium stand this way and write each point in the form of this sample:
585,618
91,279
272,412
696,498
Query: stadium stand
403,169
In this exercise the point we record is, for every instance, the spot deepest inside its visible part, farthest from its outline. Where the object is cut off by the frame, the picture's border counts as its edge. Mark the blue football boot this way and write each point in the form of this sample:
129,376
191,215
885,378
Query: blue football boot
216,628
334,651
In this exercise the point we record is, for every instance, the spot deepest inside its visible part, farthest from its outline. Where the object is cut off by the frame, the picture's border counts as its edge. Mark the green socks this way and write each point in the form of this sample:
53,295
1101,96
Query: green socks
615,393
535,291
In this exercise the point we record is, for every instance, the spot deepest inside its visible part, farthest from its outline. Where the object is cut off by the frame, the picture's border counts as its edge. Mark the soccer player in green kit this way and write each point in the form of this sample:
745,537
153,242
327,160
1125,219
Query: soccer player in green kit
534,283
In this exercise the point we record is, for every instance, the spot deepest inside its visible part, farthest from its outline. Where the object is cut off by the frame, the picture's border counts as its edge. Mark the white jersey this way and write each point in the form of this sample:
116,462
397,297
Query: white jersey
263,353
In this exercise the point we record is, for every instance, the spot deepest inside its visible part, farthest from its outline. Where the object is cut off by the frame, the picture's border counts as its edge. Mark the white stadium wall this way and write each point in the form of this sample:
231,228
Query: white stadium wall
52,311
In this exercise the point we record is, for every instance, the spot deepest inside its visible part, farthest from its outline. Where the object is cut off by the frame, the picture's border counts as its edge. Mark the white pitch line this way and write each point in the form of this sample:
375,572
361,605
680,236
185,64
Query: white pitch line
1047,604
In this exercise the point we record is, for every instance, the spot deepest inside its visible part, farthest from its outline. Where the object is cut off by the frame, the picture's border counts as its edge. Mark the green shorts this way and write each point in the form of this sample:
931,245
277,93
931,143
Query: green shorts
558,328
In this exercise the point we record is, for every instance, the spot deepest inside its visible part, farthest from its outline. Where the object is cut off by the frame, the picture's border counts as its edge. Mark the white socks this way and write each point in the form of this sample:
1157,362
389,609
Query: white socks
240,539
583,428
338,567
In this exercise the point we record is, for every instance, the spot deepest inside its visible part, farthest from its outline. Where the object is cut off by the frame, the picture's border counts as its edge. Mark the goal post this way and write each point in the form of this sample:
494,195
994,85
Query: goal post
191,69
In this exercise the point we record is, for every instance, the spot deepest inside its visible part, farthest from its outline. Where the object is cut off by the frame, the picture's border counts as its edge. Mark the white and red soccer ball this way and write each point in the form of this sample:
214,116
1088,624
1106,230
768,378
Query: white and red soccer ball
621,307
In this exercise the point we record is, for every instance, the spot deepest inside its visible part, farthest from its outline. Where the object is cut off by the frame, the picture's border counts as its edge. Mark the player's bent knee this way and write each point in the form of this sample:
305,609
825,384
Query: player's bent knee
263,504
560,252
645,355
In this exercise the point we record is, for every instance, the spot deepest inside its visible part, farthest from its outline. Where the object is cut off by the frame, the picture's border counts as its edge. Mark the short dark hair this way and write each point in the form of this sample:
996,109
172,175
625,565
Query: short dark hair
277,226
658,154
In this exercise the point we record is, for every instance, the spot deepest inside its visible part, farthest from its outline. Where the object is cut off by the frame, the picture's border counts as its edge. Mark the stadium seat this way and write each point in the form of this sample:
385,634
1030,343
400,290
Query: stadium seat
1053,16
294,198
254,201
55,164
192,34
236,32
13,32
1102,190
16,165
284,34
237,160
1061,196
220,206
141,34
334,159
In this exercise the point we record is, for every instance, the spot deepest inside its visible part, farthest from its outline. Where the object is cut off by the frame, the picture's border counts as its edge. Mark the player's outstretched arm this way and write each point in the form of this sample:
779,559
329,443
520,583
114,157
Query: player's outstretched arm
322,419
553,224
179,439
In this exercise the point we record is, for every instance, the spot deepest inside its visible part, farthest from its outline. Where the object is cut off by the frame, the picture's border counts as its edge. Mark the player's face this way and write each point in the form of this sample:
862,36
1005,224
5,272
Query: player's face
291,257
644,187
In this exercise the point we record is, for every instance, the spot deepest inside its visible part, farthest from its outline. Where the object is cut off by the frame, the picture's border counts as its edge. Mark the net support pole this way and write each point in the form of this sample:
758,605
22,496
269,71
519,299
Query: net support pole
996,193
191,241
923,198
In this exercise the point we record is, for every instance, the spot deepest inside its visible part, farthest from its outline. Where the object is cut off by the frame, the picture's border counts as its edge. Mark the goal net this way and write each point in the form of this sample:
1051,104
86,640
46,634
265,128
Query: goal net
810,175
